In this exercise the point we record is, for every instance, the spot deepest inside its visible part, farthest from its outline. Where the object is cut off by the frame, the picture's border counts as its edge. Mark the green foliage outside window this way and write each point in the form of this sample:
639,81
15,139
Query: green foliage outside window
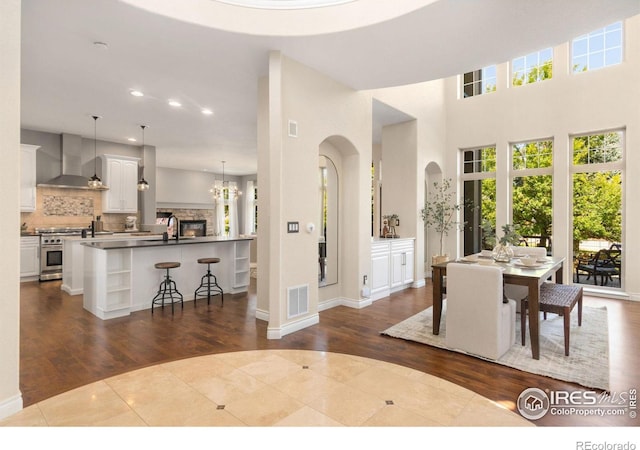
540,73
532,195
597,195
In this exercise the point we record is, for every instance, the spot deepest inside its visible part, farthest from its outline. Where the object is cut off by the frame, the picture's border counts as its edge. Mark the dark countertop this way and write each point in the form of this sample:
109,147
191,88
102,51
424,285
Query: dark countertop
158,242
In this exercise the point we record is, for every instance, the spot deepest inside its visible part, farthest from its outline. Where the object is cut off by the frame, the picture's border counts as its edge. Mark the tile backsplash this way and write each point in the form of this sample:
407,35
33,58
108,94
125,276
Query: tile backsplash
66,205
56,207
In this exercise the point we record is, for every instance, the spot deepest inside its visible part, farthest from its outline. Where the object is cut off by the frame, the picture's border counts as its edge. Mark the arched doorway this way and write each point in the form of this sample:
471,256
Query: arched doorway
339,155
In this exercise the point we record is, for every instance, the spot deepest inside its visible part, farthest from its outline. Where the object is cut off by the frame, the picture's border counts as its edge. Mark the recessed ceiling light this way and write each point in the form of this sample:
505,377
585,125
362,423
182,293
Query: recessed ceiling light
175,103
101,45
137,93
207,111
131,139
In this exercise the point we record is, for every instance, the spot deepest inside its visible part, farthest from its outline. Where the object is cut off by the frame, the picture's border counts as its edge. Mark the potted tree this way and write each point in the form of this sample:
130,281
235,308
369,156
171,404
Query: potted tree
440,212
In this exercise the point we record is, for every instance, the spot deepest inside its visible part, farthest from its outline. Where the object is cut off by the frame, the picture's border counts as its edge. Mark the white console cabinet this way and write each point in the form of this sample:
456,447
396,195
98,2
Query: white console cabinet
28,177
402,253
392,266
120,175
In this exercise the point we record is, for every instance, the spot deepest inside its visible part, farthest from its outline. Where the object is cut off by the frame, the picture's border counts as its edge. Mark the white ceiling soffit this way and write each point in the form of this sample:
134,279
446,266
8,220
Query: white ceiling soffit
281,17
66,78
384,115
368,44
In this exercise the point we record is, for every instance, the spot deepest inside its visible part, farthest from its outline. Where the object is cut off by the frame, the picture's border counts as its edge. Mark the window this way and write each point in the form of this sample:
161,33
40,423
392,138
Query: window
479,191
597,205
226,198
479,82
251,208
597,148
600,48
532,155
532,191
532,68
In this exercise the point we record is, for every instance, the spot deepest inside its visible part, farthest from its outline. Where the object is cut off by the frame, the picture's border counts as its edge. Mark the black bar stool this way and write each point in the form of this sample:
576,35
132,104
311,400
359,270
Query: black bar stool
208,287
167,288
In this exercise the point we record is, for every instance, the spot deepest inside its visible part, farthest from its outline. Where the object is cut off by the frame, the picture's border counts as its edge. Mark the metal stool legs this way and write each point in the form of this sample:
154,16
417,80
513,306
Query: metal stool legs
208,287
167,289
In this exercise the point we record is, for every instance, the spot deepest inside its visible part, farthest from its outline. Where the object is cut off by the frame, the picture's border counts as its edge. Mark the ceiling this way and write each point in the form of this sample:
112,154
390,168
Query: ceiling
66,78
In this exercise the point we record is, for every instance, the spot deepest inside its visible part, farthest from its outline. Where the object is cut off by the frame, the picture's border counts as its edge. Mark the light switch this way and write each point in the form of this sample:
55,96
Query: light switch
293,227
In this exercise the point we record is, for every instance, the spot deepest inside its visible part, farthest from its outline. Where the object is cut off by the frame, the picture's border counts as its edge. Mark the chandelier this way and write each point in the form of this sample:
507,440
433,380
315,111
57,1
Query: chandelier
225,191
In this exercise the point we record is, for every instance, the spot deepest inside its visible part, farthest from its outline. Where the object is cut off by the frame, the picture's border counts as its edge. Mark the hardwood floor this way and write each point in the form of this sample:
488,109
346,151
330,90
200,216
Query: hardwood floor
62,346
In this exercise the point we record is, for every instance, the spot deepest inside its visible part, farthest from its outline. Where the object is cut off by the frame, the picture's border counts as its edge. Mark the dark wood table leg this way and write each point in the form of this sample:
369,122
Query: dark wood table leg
437,298
559,275
534,325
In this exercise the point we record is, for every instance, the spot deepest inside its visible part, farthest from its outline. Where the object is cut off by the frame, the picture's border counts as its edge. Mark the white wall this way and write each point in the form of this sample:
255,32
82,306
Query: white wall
558,108
187,187
400,175
288,175
426,103
10,396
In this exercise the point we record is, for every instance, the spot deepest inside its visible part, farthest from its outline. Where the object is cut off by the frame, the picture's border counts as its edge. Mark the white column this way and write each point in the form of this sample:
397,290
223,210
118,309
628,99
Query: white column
10,396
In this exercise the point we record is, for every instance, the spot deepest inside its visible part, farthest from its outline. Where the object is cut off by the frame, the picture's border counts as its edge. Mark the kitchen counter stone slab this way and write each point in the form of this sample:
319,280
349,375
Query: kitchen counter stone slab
158,242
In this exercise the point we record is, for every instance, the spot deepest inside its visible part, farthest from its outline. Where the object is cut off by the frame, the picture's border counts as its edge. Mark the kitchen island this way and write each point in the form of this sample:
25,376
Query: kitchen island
120,277
73,256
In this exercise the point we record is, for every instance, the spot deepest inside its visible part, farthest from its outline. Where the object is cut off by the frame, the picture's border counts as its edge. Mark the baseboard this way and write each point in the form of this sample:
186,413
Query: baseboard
70,291
11,406
292,327
33,278
419,283
357,304
380,294
261,314
343,301
328,304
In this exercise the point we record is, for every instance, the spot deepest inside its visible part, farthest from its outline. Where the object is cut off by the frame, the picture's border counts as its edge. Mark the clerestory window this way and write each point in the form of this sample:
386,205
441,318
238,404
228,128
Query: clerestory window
598,49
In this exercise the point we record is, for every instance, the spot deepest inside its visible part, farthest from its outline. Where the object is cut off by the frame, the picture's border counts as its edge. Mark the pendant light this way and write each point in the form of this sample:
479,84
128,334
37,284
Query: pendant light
95,182
142,184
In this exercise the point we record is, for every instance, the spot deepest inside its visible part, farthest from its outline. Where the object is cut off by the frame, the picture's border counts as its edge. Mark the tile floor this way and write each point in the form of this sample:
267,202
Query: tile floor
269,388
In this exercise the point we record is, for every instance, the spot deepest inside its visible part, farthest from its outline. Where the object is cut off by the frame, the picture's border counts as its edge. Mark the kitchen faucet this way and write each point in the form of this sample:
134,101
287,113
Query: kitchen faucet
176,226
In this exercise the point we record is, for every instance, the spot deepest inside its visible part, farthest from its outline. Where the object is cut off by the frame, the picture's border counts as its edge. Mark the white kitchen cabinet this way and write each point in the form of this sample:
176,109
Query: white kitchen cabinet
392,266
120,175
28,177
402,253
29,256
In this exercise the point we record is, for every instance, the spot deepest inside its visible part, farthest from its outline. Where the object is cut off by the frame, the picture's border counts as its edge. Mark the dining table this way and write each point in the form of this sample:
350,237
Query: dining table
514,272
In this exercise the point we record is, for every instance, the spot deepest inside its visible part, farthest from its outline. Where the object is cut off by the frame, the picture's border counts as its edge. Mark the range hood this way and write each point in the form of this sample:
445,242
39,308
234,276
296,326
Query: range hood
71,157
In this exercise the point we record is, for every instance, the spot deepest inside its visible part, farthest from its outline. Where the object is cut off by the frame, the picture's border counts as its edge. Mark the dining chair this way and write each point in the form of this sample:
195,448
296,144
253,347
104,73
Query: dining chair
478,319
519,293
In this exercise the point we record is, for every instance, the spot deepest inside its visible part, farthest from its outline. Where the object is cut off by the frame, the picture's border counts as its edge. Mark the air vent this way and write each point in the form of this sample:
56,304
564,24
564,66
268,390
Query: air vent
298,300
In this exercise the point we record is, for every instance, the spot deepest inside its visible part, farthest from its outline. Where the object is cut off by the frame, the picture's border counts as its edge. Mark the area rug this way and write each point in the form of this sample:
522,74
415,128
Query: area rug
587,363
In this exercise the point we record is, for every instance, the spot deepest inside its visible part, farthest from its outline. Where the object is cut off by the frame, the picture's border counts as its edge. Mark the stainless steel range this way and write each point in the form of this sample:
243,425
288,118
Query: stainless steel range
51,250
